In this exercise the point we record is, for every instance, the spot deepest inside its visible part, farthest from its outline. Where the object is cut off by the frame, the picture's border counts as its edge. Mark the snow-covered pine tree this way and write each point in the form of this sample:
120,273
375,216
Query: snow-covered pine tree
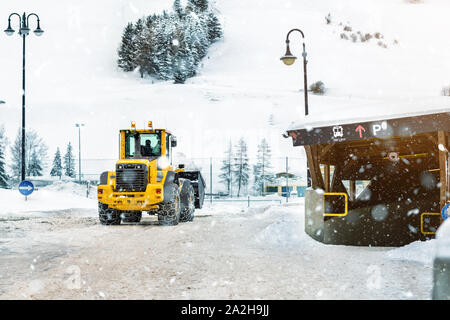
139,42
3,175
34,148
154,36
198,5
57,168
241,166
35,167
127,51
69,162
214,28
178,9
226,176
261,170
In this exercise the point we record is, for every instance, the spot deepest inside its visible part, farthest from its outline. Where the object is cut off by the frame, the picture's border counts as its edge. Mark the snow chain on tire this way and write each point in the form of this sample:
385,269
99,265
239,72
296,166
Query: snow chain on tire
169,212
108,216
187,214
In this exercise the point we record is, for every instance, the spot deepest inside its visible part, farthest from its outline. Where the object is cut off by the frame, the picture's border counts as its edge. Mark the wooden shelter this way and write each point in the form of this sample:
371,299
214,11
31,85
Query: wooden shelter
403,164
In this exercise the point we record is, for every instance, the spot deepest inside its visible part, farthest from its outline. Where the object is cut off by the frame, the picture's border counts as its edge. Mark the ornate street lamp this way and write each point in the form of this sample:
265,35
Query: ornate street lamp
289,59
23,31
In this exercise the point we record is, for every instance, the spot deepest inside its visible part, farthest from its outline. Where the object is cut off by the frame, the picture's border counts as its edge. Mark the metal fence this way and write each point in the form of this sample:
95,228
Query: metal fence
286,173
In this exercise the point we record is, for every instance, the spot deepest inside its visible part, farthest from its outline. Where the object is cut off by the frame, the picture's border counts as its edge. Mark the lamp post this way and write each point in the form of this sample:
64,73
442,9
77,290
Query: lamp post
79,125
23,31
289,59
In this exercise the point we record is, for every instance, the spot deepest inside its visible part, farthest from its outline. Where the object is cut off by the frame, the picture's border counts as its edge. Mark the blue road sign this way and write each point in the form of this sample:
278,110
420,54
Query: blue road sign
26,188
445,211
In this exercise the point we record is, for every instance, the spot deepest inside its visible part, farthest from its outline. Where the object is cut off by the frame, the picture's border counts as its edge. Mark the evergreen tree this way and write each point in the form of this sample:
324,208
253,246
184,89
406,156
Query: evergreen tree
139,42
3,175
127,50
198,6
35,150
57,167
69,162
214,28
35,167
241,166
170,46
261,170
226,169
178,9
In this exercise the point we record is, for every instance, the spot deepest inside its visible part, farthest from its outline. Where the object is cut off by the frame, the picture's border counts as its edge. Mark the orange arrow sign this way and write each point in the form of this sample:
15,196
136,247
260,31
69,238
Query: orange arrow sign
360,129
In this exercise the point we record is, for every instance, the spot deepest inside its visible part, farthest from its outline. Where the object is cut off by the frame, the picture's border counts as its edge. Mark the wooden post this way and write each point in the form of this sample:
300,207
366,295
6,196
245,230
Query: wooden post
352,190
314,168
327,177
444,169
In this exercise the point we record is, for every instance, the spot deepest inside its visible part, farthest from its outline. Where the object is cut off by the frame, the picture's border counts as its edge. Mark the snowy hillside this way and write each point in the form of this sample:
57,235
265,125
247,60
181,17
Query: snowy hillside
72,75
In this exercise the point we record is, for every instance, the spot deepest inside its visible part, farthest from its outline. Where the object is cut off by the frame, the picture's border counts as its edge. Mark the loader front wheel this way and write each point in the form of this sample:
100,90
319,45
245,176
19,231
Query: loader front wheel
188,205
108,216
169,210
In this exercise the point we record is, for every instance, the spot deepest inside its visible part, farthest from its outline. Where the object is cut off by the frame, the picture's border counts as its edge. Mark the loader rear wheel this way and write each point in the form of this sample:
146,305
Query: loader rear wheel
169,210
131,216
108,216
188,207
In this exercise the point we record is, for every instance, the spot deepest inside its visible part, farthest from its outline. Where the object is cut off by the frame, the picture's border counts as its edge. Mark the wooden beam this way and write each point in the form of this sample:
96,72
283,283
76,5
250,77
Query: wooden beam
352,193
443,166
314,168
325,149
327,177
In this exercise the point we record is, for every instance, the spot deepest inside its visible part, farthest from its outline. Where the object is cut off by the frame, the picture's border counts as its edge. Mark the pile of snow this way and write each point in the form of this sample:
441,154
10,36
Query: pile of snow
425,251
57,197
74,188
286,228
418,251
443,240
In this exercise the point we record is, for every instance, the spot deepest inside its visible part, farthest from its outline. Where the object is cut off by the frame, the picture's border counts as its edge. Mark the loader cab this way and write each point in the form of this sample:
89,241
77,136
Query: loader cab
147,144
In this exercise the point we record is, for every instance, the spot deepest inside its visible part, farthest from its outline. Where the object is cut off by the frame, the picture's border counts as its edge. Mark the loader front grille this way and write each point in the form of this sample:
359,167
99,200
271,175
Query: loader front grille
131,178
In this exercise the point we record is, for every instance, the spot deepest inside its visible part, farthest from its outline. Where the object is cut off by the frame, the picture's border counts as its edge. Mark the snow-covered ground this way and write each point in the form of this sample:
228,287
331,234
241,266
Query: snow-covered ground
52,245
229,251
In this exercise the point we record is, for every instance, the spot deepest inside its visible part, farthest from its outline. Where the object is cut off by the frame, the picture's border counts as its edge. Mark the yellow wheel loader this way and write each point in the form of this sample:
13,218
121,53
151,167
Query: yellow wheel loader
145,180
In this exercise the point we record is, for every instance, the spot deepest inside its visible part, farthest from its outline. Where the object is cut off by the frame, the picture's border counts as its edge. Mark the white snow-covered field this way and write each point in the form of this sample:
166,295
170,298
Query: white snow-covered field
72,75
229,251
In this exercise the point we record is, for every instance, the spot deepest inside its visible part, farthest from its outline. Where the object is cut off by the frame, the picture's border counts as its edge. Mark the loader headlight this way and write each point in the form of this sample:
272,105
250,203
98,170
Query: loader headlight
120,166
159,176
162,163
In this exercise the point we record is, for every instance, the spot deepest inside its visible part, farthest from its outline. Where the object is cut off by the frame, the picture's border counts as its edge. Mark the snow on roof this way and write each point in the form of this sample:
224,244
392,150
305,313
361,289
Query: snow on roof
325,111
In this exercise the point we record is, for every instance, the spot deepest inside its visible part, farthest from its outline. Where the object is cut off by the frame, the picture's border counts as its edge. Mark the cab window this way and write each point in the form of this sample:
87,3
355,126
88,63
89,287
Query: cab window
142,145
150,145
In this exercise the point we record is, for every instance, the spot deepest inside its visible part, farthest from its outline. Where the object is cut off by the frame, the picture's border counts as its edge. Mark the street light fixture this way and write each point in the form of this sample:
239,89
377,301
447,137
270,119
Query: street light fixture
79,125
23,31
289,59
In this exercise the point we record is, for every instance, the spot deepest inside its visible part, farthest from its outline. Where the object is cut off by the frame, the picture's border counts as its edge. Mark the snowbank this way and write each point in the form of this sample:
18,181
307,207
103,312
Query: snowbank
286,228
57,197
443,240
418,251
425,251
